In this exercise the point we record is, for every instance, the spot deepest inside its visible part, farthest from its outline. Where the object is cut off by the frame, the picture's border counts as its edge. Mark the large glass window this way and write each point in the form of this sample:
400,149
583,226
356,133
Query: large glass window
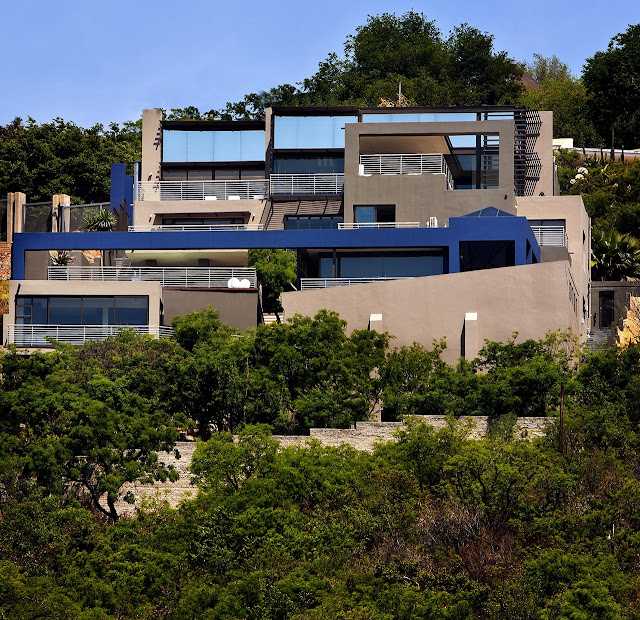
86,310
131,310
475,255
383,264
310,132
311,222
372,214
425,117
309,165
65,310
203,146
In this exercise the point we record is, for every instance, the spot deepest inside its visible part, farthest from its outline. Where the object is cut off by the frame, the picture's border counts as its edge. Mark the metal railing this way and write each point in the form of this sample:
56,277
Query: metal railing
402,163
37,335
306,184
195,227
355,225
315,283
257,189
555,236
189,277
77,213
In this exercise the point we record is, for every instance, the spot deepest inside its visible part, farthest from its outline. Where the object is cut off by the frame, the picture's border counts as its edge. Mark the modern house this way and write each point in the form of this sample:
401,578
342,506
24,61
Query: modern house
423,222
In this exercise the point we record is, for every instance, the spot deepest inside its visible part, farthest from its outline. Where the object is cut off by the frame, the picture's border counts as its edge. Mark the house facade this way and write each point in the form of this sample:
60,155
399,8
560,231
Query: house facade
423,222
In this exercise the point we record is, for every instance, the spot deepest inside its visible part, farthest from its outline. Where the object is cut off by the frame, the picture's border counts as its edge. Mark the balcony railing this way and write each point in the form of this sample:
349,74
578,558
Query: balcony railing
195,227
203,190
358,225
189,277
401,163
555,236
314,283
306,184
37,335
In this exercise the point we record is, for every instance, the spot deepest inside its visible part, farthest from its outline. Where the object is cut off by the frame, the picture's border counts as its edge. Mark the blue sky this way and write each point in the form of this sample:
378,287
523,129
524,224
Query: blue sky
96,62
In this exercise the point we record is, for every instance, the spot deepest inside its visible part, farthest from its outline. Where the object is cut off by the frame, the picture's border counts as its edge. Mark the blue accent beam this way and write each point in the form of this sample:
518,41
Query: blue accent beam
461,229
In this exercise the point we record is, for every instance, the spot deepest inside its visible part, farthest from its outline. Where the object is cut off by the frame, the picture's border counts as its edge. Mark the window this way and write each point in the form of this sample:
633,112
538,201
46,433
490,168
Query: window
310,132
87,310
310,222
203,146
425,117
374,213
383,264
476,255
309,165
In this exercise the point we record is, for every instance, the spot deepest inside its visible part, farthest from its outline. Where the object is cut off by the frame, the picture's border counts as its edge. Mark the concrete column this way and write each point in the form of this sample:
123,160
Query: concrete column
470,335
151,145
15,213
61,216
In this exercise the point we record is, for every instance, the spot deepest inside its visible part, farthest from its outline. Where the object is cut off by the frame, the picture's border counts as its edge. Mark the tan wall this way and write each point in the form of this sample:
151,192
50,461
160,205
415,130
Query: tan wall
82,287
422,196
148,212
544,149
237,308
578,227
151,144
528,299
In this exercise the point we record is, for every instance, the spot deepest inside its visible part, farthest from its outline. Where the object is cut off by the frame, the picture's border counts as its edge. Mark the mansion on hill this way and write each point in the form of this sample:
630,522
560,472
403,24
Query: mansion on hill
422,222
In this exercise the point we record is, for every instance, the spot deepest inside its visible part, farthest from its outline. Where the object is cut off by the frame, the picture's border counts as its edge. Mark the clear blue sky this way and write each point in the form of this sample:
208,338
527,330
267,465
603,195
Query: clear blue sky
96,62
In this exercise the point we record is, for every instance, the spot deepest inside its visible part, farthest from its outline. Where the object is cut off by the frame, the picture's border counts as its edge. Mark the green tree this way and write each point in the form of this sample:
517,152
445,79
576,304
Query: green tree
566,96
275,269
612,79
61,158
615,256
222,464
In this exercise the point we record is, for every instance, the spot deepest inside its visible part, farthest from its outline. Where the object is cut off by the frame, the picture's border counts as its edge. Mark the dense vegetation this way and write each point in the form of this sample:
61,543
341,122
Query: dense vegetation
462,68
431,526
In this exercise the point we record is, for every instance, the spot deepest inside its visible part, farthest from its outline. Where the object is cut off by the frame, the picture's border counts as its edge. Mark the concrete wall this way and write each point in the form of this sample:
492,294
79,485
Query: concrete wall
578,227
151,144
422,196
528,299
148,212
622,292
544,149
82,287
365,435
237,308
35,264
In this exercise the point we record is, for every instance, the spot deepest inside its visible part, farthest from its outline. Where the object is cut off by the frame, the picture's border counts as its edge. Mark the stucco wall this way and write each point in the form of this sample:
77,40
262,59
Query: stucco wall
422,196
578,227
151,144
528,299
148,212
237,308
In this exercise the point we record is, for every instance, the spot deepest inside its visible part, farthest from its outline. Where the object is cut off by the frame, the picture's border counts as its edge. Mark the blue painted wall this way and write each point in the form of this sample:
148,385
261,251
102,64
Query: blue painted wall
460,229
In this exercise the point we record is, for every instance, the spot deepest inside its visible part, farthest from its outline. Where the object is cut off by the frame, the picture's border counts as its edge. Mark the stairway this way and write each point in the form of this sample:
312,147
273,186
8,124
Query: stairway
599,339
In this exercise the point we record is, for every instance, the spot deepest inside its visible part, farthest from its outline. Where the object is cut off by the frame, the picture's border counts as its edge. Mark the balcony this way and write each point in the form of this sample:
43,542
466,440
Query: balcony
307,284
195,227
553,236
306,184
360,225
37,335
187,277
404,163
203,190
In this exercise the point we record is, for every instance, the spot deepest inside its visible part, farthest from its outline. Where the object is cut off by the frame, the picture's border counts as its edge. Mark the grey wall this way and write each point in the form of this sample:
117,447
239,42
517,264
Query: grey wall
422,196
237,308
